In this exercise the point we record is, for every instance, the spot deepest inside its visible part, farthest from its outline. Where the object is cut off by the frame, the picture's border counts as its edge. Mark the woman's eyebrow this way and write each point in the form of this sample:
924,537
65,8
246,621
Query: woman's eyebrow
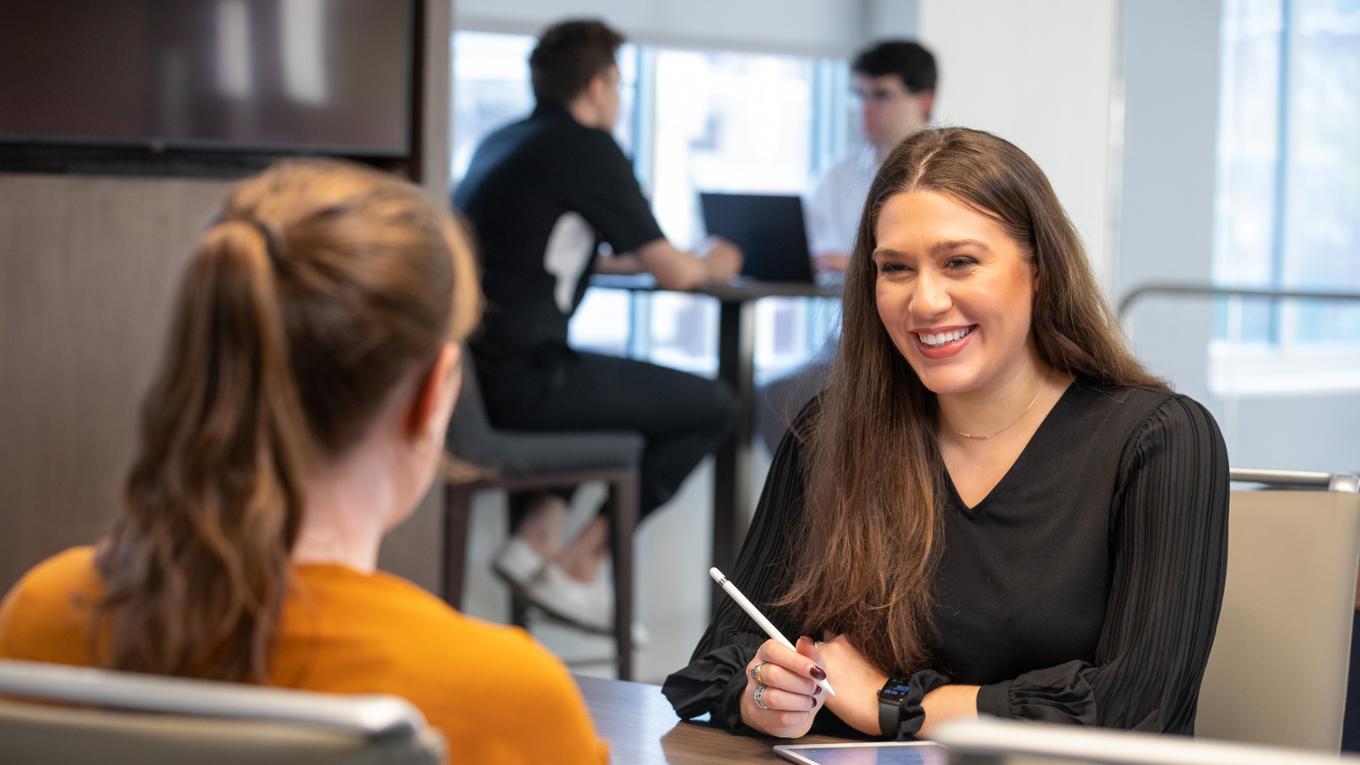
954,244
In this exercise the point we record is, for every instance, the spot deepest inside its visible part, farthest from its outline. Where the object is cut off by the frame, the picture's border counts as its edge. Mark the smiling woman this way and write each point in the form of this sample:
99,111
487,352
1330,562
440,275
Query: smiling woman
992,508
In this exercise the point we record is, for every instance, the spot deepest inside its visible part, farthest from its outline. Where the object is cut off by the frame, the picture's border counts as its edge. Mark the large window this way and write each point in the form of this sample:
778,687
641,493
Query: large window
1288,209
727,122
491,88
693,120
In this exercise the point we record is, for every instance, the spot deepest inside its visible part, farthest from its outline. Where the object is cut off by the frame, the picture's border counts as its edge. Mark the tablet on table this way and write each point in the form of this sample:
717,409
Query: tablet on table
867,753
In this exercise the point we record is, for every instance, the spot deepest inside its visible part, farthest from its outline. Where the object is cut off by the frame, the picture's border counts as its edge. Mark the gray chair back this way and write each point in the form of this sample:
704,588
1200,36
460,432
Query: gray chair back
1278,668
471,436
51,713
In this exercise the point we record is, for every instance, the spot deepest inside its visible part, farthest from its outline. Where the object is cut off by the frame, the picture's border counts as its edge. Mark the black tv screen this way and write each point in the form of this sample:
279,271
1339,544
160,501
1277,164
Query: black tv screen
331,76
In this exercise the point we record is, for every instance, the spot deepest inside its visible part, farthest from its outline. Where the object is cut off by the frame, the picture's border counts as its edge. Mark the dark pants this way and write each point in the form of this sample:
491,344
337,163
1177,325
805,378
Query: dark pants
680,416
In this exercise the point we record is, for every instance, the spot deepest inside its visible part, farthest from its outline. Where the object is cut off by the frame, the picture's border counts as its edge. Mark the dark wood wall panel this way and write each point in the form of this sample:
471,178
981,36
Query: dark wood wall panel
87,270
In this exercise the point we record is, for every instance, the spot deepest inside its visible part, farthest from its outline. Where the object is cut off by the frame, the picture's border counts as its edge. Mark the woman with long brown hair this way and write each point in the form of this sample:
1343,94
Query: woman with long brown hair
299,414
992,508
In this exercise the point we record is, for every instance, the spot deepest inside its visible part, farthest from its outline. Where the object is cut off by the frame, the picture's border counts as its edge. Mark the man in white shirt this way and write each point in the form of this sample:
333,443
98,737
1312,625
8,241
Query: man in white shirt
894,82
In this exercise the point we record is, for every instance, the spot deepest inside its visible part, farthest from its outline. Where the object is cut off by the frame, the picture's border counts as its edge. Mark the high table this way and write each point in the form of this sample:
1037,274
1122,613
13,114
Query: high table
641,728
736,366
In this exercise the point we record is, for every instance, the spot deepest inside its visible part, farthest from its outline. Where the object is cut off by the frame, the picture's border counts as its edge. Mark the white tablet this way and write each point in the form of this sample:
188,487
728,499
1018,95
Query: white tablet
868,753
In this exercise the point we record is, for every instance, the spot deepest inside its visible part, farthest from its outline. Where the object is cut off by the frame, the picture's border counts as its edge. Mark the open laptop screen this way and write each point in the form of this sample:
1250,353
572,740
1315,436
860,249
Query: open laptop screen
768,228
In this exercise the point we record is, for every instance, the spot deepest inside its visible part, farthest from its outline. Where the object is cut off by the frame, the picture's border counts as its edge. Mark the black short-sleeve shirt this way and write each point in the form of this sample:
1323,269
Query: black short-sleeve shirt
541,195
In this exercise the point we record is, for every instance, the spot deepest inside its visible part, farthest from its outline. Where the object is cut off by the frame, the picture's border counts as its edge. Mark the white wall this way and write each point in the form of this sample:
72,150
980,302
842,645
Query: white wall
891,18
818,27
1171,95
1041,75
1170,72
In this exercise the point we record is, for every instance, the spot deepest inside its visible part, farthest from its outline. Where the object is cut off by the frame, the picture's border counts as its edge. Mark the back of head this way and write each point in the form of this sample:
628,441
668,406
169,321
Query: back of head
320,288
568,55
908,60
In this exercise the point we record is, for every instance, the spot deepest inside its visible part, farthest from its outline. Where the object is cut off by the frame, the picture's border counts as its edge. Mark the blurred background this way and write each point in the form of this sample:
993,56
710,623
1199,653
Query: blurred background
1196,144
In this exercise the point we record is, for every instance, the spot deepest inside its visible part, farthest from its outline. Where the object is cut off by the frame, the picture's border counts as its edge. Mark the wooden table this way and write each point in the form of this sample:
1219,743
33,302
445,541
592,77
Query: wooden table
641,728
736,366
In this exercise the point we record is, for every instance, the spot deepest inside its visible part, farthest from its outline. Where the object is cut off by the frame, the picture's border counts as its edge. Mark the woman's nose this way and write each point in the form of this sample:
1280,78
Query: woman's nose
930,297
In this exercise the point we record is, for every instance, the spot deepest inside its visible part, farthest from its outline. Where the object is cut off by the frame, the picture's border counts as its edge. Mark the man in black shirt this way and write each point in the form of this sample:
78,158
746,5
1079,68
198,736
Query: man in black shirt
543,194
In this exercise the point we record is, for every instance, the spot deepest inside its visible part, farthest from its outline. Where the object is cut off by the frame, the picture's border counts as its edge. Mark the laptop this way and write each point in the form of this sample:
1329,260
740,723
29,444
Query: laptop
768,228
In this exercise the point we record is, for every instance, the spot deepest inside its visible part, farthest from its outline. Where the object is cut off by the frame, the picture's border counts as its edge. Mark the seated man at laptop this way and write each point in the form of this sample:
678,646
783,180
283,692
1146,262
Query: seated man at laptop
543,194
894,82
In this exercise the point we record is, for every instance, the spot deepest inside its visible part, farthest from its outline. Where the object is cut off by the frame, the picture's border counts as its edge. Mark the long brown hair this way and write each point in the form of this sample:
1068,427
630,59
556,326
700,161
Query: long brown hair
875,478
319,288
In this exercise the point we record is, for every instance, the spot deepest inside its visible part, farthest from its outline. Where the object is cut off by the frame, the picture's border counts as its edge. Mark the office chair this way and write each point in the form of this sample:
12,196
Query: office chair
989,741
73,715
516,461
1277,671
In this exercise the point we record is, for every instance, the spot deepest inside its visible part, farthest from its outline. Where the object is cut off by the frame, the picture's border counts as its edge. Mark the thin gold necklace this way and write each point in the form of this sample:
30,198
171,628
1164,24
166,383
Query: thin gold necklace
1015,422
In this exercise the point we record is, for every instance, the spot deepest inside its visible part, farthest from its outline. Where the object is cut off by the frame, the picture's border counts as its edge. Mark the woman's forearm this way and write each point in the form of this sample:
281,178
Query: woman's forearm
948,702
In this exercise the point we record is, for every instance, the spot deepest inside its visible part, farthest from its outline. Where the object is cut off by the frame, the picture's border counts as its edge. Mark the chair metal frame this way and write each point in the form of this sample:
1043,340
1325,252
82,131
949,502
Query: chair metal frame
82,711
621,507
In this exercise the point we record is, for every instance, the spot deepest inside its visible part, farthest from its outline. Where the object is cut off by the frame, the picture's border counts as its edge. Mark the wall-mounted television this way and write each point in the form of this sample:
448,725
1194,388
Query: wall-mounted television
208,77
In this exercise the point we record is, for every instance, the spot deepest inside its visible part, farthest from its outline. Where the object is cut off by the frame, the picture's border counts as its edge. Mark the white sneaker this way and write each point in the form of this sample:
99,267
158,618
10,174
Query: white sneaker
587,606
571,600
518,564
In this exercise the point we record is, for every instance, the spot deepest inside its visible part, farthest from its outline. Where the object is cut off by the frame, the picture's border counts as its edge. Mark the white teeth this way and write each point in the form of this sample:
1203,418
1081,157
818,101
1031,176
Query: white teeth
940,338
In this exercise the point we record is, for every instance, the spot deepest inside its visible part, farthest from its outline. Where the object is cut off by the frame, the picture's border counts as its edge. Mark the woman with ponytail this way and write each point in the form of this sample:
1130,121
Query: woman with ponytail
298,415
992,508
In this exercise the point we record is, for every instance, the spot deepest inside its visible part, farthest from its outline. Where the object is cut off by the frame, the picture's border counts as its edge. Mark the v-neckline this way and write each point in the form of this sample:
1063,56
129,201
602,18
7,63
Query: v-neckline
971,512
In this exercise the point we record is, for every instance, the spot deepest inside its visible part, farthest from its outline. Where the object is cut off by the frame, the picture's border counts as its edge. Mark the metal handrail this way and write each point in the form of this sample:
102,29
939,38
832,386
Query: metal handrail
1200,290
1297,479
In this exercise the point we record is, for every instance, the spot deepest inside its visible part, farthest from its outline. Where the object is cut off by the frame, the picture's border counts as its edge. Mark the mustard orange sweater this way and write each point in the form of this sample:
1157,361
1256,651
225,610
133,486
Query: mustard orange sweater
495,694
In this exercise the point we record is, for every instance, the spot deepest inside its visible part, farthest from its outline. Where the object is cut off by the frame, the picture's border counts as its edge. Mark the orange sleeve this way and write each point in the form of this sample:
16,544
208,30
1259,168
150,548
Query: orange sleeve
45,617
514,702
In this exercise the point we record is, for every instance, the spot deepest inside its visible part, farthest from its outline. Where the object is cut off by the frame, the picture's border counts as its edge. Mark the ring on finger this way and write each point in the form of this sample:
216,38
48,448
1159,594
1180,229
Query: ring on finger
759,696
755,673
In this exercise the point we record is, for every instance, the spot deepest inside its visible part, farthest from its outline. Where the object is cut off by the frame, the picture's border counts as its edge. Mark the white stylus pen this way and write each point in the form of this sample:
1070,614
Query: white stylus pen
757,616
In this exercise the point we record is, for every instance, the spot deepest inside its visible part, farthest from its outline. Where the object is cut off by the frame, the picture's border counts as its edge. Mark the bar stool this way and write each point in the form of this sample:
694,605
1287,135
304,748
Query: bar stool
519,461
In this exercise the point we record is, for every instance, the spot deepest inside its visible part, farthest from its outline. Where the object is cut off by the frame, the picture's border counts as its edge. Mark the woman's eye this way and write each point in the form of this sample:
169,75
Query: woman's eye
892,268
960,261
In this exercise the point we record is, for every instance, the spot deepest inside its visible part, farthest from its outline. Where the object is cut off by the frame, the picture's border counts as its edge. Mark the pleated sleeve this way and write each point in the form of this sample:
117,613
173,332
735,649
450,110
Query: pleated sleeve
1169,541
716,676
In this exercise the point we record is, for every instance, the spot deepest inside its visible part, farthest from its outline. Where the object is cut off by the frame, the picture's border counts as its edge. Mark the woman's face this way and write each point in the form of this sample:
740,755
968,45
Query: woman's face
954,291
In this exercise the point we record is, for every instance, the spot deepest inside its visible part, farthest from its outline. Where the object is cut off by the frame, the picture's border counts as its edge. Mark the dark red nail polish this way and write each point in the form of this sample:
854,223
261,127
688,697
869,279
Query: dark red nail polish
817,672
816,689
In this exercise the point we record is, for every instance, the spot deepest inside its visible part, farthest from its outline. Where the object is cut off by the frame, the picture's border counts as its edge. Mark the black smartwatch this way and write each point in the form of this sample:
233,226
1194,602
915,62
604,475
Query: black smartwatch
890,698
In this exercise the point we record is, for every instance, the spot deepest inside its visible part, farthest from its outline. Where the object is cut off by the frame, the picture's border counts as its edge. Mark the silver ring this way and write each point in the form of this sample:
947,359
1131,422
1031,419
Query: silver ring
755,673
758,697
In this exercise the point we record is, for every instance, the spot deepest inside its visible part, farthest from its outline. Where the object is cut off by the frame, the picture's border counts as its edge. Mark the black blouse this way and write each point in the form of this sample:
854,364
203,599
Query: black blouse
1084,588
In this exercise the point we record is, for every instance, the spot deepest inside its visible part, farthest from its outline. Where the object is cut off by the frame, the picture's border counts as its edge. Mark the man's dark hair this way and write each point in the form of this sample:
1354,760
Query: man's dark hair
570,54
909,60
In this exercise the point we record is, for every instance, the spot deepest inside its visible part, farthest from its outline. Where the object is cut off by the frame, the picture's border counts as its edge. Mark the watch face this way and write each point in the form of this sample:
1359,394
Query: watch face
895,689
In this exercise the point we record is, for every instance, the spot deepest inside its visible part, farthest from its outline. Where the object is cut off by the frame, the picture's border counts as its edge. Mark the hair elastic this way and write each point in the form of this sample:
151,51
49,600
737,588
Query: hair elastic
271,246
